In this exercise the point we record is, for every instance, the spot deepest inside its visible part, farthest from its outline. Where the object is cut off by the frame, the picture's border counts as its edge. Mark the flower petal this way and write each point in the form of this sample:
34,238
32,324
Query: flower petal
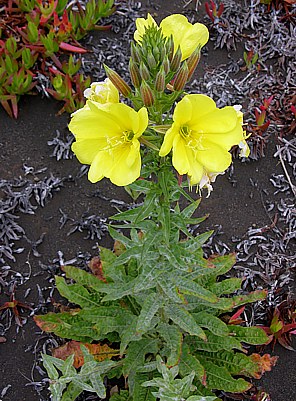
185,35
218,121
214,158
168,140
183,111
92,122
86,150
181,156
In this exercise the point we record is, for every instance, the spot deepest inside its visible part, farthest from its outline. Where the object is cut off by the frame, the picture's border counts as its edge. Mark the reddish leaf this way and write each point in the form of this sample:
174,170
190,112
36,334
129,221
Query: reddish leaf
96,267
100,352
71,48
235,318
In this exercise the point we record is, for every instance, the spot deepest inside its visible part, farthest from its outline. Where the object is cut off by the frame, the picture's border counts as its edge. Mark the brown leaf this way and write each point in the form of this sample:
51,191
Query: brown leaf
264,364
43,325
100,352
118,248
96,267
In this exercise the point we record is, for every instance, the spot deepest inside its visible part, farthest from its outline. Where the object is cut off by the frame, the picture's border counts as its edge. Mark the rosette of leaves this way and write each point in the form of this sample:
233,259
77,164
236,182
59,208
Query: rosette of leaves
34,34
157,296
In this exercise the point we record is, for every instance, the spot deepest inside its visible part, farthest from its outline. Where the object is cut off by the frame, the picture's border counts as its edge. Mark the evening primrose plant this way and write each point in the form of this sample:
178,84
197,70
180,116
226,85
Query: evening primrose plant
164,306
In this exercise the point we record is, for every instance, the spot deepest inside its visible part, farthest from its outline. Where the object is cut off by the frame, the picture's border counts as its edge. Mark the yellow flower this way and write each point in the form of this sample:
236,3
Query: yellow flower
102,92
187,36
201,137
107,138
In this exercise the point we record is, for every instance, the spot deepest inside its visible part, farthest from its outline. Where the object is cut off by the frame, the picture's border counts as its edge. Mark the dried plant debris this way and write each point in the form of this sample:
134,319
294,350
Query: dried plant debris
22,196
93,225
266,256
61,146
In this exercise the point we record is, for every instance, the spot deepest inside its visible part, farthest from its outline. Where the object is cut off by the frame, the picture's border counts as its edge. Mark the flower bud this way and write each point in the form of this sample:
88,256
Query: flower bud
170,47
144,72
151,61
176,61
166,65
146,94
192,62
181,78
118,82
135,53
134,73
160,80
156,54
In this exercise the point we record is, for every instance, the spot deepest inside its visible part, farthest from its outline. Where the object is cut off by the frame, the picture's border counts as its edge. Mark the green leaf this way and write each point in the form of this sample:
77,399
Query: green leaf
150,307
236,363
212,323
77,294
214,343
192,288
67,325
129,334
173,338
72,392
122,396
136,353
108,319
249,335
227,286
189,363
141,393
184,320
49,366
220,379
82,277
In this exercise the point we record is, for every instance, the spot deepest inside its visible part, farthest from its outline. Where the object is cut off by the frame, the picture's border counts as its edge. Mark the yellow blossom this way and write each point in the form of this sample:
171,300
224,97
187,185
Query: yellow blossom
201,137
102,92
107,138
186,35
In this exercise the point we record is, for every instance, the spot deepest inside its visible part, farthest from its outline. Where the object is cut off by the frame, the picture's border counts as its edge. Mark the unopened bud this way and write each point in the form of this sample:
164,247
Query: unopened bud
135,53
192,62
176,61
134,73
151,61
170,48
181,78
166,65
146,94
156,53
118,82
144,72
160,80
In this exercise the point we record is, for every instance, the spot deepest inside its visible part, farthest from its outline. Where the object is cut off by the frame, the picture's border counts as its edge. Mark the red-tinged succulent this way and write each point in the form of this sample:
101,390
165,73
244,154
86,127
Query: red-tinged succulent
213,12
43,30
15,305
283,325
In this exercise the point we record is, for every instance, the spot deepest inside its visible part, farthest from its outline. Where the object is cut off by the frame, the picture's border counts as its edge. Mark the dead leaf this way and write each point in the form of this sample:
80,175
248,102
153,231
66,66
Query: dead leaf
264,364
96,268
99,351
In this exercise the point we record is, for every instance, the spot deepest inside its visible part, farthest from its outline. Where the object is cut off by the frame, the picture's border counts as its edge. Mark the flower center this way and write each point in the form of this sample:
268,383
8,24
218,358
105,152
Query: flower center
128,136
185,132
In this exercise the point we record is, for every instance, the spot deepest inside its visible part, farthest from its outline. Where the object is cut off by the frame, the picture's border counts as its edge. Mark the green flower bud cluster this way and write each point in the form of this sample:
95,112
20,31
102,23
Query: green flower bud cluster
157,71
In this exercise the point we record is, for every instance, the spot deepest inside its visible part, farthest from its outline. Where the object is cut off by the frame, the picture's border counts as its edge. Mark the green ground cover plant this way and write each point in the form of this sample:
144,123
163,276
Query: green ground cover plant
164,308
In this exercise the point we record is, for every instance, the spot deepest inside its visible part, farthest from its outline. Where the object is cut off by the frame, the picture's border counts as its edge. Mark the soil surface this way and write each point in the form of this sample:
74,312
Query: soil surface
63,220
